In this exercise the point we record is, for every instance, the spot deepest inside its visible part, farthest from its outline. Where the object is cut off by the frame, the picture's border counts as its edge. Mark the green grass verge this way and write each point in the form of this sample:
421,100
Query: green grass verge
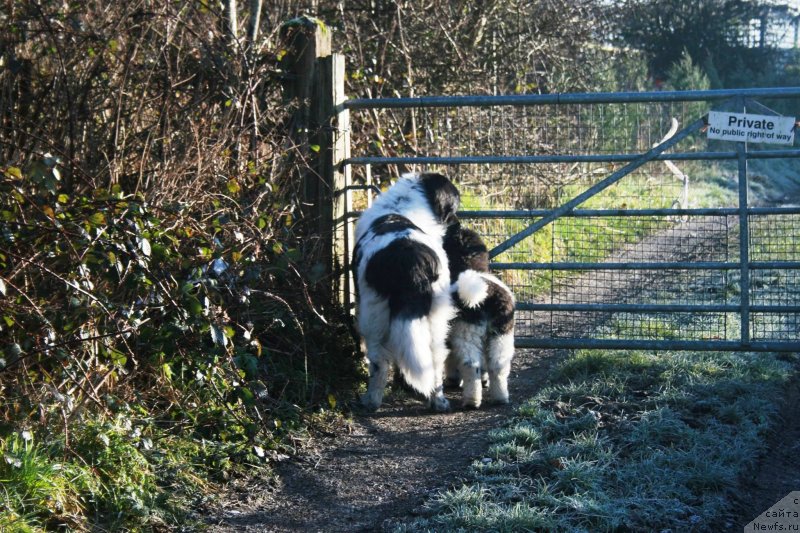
581,239
622,441
128,473
110,476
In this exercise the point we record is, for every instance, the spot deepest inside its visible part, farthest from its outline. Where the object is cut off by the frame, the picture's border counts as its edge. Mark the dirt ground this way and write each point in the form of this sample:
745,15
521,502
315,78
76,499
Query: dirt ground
384,466
383,469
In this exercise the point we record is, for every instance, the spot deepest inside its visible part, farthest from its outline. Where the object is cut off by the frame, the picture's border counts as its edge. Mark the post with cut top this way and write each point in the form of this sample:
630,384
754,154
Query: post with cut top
320,132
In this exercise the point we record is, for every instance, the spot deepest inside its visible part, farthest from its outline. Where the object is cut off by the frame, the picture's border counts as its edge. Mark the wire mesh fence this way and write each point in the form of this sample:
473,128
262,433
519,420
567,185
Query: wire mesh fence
658,256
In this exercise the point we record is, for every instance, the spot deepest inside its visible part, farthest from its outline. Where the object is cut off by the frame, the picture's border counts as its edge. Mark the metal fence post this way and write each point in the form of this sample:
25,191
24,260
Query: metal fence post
744,236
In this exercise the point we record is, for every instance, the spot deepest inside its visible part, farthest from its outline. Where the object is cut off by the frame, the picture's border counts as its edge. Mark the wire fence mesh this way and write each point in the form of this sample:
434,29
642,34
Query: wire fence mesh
655,256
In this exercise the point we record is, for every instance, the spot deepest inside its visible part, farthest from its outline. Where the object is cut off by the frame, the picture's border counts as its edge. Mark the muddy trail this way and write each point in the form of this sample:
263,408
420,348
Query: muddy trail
382,467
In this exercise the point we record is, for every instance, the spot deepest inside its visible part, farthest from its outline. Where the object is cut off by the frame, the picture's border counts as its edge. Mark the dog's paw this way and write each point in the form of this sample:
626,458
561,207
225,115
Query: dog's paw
369,403
440,404
500,400
471,406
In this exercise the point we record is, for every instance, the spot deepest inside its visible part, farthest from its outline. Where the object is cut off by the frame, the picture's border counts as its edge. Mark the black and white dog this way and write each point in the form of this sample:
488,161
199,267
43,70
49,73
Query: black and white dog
482,334
403,282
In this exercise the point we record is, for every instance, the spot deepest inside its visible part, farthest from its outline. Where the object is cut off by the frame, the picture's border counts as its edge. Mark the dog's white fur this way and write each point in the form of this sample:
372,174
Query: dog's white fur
416,346
475,349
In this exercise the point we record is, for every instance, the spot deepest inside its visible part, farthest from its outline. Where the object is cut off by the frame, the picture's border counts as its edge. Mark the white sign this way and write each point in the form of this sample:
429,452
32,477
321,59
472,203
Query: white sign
743,127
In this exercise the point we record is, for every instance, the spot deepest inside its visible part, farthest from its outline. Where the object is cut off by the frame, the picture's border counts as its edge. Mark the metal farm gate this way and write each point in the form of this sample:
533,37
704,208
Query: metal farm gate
615,220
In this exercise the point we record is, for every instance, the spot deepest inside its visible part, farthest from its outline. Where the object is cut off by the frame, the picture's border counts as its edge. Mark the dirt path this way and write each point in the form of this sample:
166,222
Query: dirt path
384,469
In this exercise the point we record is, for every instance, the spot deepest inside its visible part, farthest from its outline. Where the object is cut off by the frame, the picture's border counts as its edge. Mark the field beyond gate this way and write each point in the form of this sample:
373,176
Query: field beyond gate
616,222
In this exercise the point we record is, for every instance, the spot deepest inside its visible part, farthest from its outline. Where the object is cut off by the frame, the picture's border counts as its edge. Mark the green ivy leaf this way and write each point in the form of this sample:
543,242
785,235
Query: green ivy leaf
13,173
117,358
159,252
247,396
166,369
233,186
194,306
248,363
97,219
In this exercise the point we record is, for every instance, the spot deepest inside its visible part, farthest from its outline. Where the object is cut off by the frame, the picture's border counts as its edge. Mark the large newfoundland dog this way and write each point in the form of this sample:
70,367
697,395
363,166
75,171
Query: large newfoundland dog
403,283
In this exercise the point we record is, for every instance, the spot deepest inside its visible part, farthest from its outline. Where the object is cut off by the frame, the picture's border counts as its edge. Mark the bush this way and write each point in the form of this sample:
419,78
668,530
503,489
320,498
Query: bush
160,300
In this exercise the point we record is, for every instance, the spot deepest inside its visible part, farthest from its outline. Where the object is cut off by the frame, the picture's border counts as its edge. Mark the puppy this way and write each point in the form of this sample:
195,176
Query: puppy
403,283
482,334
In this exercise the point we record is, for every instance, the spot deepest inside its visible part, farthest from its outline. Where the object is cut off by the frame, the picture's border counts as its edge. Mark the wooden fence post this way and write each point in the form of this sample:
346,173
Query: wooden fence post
320,130
341,177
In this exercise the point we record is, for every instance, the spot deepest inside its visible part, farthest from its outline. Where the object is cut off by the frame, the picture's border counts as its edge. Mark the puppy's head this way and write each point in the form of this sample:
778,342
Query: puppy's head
442,196
465,251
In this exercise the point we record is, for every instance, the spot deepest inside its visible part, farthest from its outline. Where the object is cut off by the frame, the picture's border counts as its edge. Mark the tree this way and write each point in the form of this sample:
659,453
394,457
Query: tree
685,75
715,33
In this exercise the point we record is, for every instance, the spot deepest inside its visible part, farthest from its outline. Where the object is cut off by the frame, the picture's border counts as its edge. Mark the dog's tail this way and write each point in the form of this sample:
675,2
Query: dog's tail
472,288
411,340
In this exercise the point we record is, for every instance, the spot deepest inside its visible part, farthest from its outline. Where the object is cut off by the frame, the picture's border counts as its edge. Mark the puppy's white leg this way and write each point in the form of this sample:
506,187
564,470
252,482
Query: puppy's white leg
498,385
498,358
378,375
373,323
466,340
471,378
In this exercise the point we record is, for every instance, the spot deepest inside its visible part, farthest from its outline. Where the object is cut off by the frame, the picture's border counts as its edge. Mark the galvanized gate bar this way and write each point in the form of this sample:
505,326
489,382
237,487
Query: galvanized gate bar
676,265
636,344
533,159
593,213
656,308
666,212
598,187
568,98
